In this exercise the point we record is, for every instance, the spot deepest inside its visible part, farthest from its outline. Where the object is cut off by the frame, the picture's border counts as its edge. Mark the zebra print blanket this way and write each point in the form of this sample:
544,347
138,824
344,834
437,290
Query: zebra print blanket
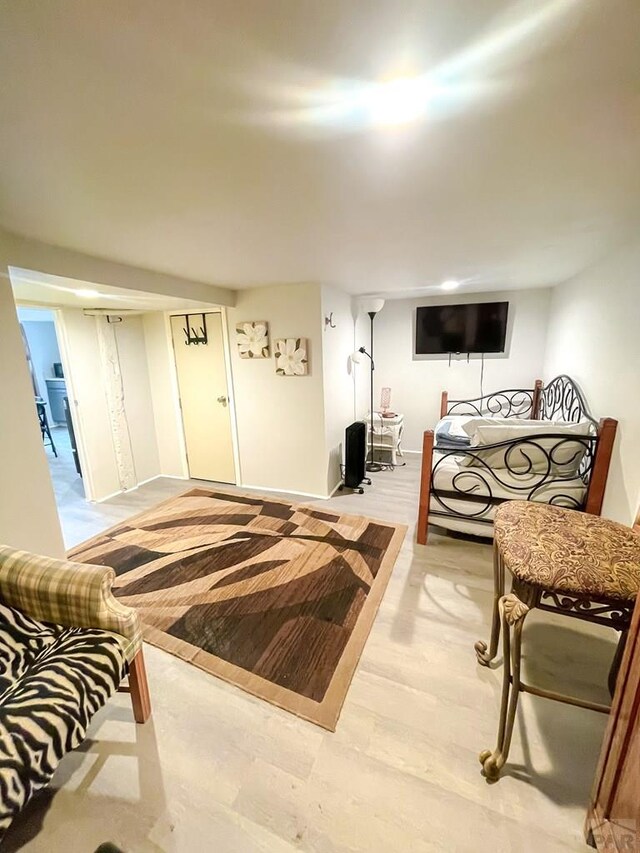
52,682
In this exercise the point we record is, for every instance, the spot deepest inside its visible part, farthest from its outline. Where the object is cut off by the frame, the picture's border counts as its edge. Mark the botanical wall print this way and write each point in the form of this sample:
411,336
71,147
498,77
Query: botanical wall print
291,357
253,339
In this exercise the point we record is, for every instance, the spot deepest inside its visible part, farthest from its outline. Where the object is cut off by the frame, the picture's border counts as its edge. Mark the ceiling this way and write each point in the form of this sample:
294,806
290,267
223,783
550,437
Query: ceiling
35,288
243,142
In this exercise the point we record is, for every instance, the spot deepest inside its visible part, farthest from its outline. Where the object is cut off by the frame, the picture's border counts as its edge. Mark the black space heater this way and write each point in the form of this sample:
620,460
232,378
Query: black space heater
355,443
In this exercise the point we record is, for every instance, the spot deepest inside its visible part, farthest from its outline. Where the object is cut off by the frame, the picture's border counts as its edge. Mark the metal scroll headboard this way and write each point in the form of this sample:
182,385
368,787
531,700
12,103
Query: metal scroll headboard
562,400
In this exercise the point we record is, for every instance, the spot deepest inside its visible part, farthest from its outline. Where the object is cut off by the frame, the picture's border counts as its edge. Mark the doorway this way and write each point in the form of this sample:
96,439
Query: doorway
51,399
203,387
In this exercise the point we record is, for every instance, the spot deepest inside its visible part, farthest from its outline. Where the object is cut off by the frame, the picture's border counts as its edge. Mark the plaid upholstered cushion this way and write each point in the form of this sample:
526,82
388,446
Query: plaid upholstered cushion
66,593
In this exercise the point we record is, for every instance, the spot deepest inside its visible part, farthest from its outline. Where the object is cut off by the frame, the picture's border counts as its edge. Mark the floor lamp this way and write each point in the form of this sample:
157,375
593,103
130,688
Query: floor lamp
370,307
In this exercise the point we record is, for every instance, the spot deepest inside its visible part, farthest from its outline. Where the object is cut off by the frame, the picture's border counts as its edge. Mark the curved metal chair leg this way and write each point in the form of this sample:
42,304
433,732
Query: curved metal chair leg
512,613
486,655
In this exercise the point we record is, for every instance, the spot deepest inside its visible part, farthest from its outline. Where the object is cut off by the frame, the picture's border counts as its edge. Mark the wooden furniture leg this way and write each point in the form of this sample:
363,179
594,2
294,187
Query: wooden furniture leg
139,689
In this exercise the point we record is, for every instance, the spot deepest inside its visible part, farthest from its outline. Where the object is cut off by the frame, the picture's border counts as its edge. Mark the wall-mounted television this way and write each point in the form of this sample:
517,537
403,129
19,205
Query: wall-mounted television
476,327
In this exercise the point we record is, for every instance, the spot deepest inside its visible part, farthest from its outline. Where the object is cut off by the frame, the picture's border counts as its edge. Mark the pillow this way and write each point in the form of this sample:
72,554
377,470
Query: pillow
472,423
532,455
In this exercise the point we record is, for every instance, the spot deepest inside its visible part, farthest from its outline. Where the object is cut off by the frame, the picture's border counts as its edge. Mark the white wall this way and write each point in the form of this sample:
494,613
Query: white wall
164,395
280,419
594,336
28,515
84,368
338,376
25,253
130,339
416,383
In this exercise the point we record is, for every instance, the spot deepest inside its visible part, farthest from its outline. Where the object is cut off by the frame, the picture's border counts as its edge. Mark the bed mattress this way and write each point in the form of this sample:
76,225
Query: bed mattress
450,476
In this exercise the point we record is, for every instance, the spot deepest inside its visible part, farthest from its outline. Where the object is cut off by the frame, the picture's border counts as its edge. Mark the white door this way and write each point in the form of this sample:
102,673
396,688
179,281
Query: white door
204,399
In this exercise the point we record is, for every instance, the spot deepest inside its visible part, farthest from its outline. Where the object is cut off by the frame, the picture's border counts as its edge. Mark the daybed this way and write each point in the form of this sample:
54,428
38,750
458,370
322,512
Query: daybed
539,444
65,646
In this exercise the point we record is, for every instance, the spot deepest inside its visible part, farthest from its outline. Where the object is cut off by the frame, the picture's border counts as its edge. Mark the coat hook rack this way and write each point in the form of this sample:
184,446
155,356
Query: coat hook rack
328,321
193,337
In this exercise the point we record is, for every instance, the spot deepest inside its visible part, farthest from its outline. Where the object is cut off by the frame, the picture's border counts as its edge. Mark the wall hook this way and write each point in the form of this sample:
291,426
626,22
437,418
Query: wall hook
328,321
192,337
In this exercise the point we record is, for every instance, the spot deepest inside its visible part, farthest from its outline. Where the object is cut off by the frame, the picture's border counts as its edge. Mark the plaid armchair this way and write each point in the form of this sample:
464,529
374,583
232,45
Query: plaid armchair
65,646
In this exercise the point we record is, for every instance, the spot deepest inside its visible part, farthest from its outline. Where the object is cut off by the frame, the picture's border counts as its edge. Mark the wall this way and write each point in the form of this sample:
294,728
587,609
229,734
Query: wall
28,515
87,373
164,395
84,369
130,340
593,337
23,252
338,376
280,419
416,383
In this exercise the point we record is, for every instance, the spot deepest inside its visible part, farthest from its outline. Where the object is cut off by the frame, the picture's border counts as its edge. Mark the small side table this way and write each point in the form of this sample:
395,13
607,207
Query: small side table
387,434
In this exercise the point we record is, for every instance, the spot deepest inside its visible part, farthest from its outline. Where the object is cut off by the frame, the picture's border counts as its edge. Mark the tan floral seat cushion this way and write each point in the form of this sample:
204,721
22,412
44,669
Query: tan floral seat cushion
568,551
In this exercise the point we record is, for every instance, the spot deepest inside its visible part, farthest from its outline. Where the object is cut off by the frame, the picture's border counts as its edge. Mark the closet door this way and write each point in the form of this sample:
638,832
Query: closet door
204,399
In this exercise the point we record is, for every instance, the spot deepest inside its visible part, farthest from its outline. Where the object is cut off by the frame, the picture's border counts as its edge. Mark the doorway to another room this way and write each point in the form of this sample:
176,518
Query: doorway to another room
51,400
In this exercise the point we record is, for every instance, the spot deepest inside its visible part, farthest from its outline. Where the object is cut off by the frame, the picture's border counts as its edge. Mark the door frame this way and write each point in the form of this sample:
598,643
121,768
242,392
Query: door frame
74,409
230,389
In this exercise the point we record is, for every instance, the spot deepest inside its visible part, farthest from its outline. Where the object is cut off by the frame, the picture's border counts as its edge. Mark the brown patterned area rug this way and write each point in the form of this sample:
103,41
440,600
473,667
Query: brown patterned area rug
274,597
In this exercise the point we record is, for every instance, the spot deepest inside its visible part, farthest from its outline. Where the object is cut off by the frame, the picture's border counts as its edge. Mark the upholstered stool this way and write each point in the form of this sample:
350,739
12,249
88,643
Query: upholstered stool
562,561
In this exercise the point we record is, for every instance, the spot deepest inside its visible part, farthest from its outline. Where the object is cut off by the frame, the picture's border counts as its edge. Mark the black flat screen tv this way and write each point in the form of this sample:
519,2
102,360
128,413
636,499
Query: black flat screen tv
479,327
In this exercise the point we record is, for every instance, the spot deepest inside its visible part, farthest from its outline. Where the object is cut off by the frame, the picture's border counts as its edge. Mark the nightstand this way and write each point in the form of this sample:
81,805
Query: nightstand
387,434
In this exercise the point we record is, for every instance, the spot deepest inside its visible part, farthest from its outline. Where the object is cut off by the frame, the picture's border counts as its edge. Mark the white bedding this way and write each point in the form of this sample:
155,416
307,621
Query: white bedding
503,484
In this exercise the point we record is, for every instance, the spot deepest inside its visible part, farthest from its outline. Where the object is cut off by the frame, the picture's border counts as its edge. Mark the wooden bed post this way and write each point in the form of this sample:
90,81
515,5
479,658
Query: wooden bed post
597,482
535,400
444,403
425,485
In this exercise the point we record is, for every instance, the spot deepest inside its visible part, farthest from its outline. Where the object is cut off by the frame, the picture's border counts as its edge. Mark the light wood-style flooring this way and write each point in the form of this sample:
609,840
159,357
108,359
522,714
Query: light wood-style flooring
217,770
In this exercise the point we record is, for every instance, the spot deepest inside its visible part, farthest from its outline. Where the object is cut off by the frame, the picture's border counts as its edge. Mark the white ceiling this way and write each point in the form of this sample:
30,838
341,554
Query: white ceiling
36,288
239,142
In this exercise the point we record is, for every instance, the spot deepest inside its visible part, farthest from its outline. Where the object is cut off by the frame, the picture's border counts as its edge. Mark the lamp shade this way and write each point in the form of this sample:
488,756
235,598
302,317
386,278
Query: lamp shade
371,305
356,357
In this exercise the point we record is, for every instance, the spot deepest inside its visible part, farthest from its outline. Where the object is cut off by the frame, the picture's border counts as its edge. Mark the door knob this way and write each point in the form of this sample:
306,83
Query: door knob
222,399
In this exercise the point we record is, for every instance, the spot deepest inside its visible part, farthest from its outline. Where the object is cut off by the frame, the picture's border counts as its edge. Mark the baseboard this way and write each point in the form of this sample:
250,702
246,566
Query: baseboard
112,495
239,485
137,486
285,491
334,489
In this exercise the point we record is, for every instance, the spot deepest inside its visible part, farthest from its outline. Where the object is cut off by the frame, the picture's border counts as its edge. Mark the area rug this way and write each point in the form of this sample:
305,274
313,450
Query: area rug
276,598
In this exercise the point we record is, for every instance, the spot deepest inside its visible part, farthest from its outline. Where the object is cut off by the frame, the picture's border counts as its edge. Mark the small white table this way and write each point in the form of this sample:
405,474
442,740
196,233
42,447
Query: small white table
387,434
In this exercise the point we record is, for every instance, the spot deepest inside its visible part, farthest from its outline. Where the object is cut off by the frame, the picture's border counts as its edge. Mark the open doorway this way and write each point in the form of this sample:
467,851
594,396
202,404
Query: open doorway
105,384
51,400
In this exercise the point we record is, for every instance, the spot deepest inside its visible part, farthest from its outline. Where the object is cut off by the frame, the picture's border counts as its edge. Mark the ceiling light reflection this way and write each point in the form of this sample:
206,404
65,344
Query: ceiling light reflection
474,72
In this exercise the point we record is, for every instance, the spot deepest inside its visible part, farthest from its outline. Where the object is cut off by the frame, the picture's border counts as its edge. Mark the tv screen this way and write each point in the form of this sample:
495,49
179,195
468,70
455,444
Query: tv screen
480,327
